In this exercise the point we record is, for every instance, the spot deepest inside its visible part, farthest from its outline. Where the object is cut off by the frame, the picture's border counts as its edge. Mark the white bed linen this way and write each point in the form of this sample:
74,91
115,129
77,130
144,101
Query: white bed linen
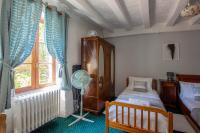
125,97
190,103
150,96
193,106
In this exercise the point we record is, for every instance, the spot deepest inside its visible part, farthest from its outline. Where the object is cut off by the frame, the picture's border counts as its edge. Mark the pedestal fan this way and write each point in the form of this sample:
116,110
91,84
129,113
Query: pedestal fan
80,80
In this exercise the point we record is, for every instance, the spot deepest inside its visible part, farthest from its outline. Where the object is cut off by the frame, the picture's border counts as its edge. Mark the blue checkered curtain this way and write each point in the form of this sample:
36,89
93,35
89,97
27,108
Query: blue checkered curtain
5,93
25,17
56,33
24,21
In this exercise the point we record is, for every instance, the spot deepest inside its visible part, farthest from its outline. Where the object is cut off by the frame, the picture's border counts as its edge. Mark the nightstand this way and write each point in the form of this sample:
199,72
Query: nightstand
168,93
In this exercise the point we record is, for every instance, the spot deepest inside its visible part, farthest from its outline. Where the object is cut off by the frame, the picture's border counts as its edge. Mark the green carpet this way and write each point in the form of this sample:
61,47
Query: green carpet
60,125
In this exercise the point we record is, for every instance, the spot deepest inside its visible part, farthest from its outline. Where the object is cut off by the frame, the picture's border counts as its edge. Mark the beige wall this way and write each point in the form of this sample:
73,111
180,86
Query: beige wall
142,55
78,28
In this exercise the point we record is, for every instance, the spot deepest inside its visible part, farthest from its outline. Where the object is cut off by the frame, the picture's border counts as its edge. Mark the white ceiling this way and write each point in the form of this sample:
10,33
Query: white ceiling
126,17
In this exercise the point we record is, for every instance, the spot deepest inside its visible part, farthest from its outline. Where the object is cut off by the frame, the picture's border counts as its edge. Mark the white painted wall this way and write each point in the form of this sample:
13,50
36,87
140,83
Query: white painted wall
141,55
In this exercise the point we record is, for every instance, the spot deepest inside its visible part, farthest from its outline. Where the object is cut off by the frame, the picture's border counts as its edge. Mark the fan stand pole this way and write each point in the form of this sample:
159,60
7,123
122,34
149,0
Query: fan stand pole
81,117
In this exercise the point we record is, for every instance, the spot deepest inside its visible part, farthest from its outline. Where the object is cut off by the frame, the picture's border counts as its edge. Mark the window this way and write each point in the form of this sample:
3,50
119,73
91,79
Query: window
39,69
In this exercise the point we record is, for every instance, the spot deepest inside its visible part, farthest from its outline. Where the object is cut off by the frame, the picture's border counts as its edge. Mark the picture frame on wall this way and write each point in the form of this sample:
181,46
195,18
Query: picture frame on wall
170,51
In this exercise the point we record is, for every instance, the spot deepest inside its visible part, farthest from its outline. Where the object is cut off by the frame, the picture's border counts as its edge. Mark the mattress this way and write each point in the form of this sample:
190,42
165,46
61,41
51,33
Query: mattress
142,98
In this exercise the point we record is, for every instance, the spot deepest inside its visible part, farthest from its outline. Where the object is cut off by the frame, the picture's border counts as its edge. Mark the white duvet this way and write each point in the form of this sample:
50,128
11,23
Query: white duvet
194,107
140,98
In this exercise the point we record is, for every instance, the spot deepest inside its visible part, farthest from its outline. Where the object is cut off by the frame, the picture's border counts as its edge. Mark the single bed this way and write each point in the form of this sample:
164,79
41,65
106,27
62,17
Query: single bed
135,111
189,106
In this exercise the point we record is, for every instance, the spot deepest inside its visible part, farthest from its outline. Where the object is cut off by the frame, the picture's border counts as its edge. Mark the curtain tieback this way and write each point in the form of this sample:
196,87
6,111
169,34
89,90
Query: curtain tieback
65,63
7,65
61,69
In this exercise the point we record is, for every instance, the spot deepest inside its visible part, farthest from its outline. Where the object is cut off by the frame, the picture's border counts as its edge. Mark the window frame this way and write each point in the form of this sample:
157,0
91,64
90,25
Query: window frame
35,68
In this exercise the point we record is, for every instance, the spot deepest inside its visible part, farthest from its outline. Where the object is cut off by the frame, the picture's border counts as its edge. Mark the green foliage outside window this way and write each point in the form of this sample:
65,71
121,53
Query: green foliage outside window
23,72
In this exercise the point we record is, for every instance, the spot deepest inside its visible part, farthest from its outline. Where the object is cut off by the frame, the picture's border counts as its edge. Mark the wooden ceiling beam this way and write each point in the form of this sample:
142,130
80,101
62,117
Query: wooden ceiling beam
86,10
145,12
155,29
175,13
120,12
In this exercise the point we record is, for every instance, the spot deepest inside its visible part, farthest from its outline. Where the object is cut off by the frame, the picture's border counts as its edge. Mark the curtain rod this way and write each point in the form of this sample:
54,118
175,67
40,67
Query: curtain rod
51,7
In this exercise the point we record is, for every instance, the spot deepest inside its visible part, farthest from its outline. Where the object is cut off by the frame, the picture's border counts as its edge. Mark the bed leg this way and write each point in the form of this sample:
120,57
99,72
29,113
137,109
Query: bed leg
2,123
170,122
107,129
107,117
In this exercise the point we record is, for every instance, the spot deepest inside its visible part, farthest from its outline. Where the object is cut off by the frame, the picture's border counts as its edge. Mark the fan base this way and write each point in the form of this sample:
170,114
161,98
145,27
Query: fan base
79,118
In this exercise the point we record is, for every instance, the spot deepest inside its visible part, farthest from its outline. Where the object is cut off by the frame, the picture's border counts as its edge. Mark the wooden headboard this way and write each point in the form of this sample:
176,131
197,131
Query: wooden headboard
154,84
188,78
2,123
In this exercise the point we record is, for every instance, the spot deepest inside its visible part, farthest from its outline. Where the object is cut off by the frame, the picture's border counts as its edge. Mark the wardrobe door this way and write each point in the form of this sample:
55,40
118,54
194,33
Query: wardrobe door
101,77
107,79
112,90
89,63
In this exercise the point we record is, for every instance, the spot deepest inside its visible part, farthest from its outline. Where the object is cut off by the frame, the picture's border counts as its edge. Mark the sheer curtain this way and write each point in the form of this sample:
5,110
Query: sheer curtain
24,21
56,33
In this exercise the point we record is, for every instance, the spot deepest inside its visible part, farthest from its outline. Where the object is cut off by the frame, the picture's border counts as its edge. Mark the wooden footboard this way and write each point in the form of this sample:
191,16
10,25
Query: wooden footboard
2,123
134,128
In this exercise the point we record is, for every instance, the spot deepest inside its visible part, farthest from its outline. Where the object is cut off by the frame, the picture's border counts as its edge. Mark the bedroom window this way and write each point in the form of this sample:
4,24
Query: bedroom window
39,69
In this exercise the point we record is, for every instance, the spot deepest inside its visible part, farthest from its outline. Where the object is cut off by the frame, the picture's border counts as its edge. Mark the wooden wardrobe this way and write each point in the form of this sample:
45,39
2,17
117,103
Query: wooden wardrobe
98,59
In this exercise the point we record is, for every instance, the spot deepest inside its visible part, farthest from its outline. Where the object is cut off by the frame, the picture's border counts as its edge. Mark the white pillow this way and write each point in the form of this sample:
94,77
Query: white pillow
196,88
130,83
189,90
140,86
139,82
186,90
147,80
197,98
196,91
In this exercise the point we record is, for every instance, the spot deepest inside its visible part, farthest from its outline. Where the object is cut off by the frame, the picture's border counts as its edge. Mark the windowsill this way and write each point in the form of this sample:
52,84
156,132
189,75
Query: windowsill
40,90
28,89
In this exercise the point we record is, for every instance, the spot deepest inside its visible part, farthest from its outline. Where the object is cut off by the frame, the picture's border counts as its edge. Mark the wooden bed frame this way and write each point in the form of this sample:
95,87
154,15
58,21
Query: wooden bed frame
133,128
2,123
184,109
